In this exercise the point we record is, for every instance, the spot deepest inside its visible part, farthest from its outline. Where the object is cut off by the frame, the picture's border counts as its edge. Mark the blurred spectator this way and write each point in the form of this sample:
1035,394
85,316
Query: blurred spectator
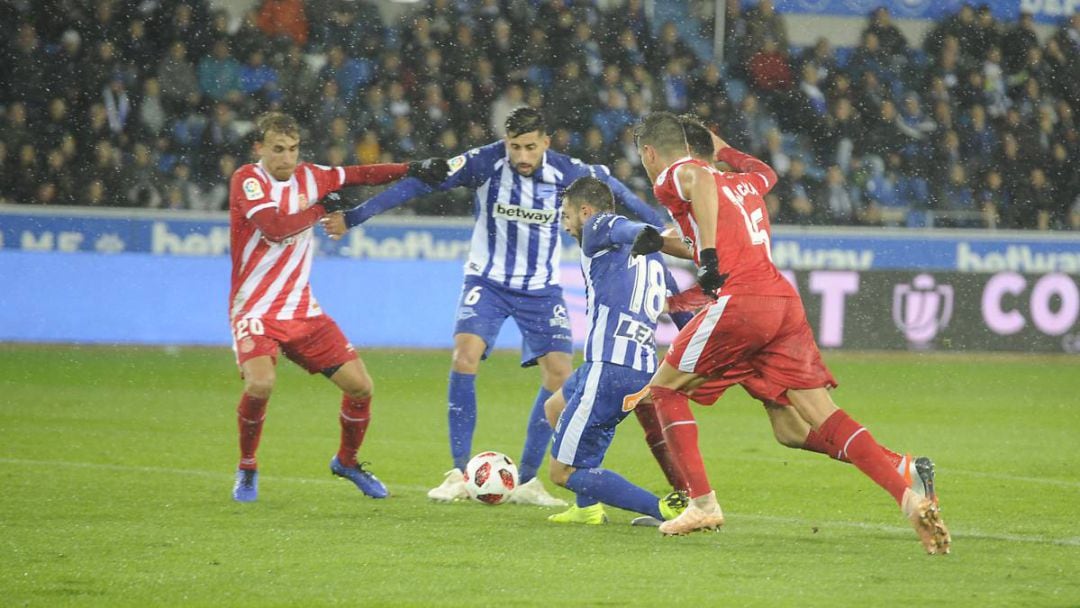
350,74
769,70
151,109
836,198
764,23
798,193
513,97
1016,42
258,80
1036,205
114,96
956,195
219,74
178,78
892,40
994,200
284,19
140,181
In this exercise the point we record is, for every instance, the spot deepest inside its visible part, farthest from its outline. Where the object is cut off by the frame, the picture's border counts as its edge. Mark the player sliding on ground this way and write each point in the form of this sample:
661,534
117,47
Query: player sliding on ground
272,206
755,334
625,293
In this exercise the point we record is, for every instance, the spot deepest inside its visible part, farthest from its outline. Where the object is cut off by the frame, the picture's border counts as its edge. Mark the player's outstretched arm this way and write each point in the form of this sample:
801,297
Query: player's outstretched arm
431,171
744,163
394,196
635,205
421,177
675,245
373,175
277,226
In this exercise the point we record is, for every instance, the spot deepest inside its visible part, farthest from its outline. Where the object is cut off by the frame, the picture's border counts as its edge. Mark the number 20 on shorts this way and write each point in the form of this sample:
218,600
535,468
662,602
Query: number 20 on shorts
248,327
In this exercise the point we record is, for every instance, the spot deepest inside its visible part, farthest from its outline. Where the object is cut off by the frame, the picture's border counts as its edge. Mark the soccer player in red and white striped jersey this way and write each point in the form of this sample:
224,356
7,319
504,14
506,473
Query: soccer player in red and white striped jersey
273,205
754,334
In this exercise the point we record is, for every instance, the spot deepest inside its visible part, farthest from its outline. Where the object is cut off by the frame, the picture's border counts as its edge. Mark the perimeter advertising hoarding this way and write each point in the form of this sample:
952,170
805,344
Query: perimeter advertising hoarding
1046,11
942,311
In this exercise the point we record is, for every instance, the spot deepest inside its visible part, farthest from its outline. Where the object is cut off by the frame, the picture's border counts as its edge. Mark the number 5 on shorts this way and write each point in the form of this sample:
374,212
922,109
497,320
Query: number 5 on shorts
472,297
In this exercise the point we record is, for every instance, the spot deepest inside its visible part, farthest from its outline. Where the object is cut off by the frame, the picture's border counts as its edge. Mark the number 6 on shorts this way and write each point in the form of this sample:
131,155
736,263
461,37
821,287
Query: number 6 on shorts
473,296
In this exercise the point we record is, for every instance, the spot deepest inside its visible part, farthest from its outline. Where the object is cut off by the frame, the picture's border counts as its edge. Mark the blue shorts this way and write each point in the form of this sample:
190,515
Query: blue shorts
594,396
540,316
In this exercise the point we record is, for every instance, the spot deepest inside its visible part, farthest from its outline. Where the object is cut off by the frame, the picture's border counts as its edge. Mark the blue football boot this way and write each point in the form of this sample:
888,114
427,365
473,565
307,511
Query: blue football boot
246,488
365,480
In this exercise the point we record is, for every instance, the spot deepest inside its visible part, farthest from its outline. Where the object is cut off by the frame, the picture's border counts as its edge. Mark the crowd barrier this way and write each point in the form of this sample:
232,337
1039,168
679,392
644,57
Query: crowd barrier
159,278
1046,11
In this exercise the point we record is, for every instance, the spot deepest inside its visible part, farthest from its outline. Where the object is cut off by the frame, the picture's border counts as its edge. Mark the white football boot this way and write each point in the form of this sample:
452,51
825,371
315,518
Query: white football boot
533,493
703,513
452,488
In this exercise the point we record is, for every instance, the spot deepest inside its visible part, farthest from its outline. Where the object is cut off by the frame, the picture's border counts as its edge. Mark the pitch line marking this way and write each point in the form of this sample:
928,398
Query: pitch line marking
1073,541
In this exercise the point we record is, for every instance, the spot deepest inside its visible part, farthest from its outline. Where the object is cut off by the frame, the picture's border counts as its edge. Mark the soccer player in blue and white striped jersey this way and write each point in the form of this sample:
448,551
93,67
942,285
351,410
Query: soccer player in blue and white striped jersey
512,271
626,287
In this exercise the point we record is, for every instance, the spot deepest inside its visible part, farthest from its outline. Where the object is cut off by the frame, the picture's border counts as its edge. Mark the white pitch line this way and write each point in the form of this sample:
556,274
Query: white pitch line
965,534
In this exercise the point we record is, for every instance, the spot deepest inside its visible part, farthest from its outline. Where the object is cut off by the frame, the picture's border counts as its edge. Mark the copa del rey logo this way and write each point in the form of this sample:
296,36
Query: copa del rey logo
922,308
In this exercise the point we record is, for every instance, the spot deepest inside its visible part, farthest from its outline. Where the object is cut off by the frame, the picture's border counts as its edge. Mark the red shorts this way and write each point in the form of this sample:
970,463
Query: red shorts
761,342
315,343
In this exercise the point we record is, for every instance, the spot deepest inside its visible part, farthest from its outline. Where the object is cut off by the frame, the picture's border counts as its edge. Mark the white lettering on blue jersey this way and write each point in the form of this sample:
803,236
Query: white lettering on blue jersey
515,240
624,297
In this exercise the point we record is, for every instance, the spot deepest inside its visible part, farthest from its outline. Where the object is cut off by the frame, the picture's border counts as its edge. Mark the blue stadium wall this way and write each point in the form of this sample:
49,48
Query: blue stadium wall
159,278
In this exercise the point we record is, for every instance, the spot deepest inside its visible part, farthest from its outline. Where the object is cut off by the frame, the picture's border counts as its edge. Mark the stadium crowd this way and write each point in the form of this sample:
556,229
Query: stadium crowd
150,103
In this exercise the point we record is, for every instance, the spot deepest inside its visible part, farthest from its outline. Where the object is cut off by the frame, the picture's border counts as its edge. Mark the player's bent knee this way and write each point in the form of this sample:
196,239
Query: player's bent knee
559,473
259,387
464,362
553,408
360,391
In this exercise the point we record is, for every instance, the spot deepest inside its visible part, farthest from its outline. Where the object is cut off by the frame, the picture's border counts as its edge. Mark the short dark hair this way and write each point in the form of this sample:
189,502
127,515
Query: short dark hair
277,122
525,120
589,190
661,130
698,137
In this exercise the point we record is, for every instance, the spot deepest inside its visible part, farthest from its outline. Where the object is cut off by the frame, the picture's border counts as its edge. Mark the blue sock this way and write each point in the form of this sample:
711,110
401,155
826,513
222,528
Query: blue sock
610,488
462,416
537,438
583,501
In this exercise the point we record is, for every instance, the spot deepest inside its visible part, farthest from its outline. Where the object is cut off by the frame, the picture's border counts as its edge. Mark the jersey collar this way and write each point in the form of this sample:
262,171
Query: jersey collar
663,174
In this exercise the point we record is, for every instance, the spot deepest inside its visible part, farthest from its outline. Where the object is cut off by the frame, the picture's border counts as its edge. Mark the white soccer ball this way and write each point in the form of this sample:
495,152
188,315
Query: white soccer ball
490,477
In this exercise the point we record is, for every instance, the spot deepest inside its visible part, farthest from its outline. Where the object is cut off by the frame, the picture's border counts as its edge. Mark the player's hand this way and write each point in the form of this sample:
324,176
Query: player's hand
431,171
647,241
708,274
334,203
334,225
691,300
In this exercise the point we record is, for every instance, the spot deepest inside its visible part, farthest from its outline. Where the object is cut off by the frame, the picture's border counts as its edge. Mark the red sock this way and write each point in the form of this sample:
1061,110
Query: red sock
681,432
816,443
654,436
849,439
250,415
354,417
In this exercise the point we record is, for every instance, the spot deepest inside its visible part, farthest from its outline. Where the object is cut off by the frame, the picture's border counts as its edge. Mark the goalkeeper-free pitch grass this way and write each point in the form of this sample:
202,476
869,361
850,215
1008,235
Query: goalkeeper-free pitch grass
116,467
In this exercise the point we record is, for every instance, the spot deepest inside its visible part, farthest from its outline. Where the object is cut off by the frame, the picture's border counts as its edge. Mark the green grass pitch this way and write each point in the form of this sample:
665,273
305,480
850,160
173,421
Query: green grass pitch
116,467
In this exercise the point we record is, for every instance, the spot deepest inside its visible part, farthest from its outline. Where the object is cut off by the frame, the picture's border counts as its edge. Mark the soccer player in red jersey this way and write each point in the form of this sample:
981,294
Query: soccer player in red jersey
788,427
273,205
755,334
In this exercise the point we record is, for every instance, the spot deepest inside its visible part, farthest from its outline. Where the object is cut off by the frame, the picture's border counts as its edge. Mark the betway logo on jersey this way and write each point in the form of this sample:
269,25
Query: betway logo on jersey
515,213
1017,258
